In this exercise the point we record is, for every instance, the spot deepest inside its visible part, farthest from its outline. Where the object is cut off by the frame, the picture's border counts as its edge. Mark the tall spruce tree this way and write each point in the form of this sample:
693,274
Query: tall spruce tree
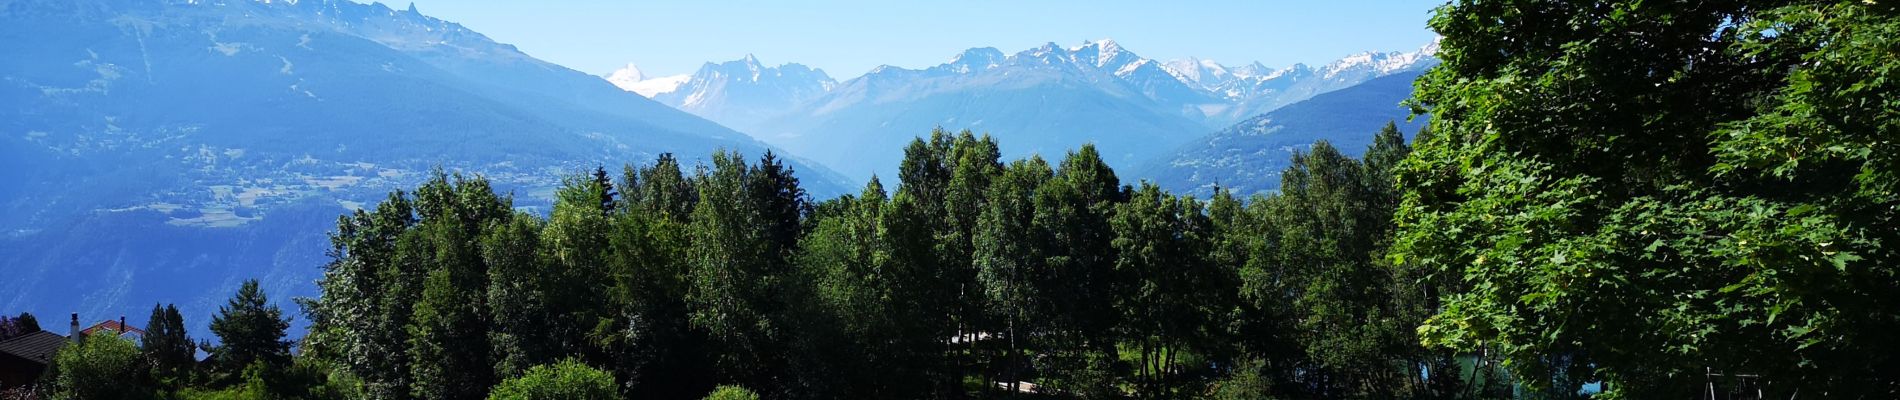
250,330
167,348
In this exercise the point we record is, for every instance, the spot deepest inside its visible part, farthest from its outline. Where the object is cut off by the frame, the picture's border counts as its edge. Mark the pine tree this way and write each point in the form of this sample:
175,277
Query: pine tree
250,330
167,349
609,198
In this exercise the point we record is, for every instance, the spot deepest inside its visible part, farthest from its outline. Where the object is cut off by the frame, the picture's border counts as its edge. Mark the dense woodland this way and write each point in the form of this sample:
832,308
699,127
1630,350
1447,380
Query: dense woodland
1614,199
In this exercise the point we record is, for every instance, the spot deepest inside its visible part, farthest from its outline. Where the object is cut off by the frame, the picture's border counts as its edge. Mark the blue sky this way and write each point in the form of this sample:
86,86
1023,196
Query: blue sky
847,38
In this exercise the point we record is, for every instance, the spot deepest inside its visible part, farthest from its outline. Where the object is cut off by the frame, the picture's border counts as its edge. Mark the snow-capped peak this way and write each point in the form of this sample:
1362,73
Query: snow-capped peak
1104,53
1379,63
628,73
631,79
1045,49
1198,71
1250,70
1130,68
1431,49
1295,68
976,59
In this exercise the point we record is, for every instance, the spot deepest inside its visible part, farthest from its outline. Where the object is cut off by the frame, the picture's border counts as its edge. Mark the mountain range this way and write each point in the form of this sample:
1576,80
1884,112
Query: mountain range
165,150
1247,158
1043,100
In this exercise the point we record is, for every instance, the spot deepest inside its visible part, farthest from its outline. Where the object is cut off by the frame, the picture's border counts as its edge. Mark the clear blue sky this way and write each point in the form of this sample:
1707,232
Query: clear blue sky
847,38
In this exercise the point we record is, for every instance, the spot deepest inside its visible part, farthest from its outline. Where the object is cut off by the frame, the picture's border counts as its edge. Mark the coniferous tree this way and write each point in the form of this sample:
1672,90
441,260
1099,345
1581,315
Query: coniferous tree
250,331
168,350
609,198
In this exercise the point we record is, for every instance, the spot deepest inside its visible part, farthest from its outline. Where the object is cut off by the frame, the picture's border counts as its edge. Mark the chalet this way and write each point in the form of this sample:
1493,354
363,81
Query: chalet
116,328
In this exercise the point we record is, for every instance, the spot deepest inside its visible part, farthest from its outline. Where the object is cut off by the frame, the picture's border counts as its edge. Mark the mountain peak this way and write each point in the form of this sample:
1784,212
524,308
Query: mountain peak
1251,69
629,72
1199,71
1105,44
631,78
412,8
976,59
1431,49
1106,54
1297,69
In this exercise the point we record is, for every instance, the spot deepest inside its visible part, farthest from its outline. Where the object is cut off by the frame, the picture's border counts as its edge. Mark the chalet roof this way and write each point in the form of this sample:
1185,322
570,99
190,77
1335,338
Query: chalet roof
115,326
37,346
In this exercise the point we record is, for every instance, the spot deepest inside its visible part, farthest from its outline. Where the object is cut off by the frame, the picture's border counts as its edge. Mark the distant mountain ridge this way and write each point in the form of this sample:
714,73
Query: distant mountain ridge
1130,106
744,93
1247,158
164,150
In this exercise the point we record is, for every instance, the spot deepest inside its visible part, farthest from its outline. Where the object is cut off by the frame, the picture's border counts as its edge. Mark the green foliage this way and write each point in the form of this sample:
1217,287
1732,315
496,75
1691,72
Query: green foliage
355,321
732,393
16,326
99,367
448,331
1159,242
565,380
970,276
1643,192
167,349
250,330
516,295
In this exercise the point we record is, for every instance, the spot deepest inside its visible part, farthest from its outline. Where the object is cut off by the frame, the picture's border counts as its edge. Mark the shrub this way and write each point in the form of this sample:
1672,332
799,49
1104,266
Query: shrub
99,367
729,392
568,379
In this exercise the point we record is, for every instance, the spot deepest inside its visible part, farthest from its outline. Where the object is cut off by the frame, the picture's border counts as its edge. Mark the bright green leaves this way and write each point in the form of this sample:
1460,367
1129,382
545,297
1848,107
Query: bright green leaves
1656,189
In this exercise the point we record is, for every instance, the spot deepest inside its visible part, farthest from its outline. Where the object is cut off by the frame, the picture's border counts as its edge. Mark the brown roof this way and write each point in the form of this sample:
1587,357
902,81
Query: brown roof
114,325
37,346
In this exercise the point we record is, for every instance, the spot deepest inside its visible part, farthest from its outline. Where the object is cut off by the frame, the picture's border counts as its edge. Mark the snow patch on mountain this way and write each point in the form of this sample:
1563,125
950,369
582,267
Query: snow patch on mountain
631,79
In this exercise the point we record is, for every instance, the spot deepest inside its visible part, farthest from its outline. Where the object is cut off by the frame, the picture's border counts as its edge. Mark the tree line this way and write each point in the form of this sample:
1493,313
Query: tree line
973,277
